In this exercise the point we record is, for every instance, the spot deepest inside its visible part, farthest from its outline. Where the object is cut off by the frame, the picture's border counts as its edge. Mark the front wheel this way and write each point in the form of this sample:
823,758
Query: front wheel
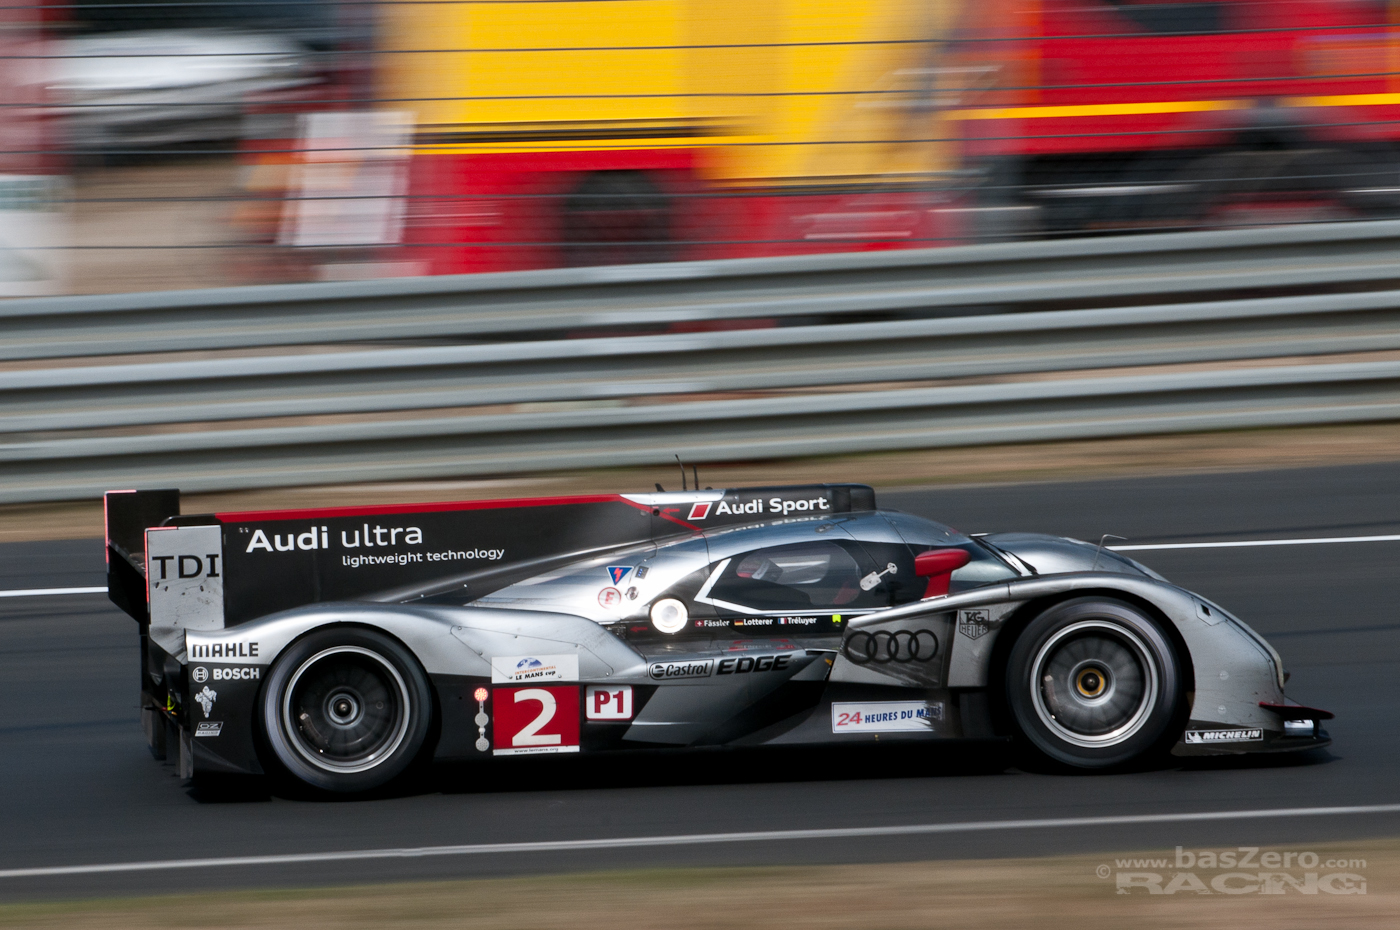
346,709
1094,683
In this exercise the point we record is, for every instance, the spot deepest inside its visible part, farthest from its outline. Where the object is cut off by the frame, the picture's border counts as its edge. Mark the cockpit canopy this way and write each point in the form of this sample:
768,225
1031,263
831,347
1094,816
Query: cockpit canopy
806,573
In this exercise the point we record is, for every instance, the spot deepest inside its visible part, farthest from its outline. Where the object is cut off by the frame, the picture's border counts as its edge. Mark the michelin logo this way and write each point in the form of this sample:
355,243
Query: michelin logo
1223,736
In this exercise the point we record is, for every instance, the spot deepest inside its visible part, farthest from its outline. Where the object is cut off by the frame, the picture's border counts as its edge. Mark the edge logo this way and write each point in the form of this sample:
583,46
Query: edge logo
751,664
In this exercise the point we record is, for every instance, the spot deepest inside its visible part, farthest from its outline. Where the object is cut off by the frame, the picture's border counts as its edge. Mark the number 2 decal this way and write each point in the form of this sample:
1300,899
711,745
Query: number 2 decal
533,720
531,735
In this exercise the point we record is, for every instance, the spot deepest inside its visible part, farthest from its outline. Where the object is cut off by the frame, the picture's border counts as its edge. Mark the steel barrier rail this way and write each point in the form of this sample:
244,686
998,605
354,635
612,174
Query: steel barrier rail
419,379
534,303
839,387
701,431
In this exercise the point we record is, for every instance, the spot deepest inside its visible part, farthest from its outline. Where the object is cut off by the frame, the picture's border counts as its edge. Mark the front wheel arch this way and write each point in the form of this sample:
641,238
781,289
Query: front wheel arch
1003,718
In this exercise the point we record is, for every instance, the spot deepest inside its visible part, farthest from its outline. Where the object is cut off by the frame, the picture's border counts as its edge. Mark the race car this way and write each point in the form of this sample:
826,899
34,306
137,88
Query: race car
342,646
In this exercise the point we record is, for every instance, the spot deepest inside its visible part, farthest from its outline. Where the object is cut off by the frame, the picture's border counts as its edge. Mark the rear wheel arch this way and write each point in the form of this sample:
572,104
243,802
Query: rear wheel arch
427,734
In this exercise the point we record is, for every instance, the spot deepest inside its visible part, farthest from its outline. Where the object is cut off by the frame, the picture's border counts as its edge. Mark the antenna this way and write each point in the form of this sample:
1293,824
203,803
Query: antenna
1099,551
684,487
660,488
695,470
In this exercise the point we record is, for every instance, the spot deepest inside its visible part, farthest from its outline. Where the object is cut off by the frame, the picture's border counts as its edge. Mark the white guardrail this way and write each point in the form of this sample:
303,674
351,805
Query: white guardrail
534,371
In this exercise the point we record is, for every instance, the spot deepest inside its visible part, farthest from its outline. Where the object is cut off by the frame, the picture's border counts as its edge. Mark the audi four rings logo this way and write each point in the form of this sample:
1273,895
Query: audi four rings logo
900,646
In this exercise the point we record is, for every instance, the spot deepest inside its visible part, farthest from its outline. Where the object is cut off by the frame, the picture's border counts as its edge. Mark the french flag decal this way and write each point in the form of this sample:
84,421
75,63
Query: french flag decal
699,511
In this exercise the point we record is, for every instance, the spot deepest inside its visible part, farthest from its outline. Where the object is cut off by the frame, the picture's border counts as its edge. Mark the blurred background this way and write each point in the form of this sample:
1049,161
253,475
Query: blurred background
165,144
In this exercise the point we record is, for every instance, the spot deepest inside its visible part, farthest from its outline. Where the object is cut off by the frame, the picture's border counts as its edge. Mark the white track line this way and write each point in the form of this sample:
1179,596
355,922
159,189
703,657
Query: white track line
1241,543
49,592
696,839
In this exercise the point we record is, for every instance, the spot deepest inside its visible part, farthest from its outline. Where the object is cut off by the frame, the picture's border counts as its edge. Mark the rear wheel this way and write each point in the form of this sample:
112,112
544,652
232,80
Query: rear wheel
1094,683
346,710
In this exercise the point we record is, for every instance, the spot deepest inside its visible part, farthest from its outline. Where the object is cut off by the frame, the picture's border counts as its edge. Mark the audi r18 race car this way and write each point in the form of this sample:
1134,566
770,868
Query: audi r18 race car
341,645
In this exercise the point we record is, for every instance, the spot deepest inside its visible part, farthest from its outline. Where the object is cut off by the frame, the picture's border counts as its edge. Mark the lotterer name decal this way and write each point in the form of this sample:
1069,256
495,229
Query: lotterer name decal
1224,736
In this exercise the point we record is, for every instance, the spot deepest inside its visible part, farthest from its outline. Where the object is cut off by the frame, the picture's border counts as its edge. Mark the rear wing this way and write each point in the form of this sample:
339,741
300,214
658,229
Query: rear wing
211,571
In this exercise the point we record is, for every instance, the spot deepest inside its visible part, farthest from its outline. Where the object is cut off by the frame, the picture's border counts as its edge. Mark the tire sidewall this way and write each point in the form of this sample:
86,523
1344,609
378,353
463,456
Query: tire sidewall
395,763
1155,730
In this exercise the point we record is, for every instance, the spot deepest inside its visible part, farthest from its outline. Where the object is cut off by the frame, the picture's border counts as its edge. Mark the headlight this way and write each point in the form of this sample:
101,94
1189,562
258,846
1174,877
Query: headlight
669,615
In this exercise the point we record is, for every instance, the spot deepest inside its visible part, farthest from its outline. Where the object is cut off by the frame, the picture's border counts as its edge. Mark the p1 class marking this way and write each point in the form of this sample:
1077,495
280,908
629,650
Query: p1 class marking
697,839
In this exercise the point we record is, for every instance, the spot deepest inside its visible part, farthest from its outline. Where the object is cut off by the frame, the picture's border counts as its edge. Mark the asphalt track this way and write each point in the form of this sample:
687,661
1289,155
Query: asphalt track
77,786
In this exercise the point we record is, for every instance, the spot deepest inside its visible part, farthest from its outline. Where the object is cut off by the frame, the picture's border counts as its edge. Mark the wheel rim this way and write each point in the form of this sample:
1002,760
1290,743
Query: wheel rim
345,709
1094,683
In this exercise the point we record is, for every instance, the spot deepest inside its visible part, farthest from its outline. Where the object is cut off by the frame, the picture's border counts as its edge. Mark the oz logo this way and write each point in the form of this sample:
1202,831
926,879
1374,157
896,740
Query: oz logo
200,674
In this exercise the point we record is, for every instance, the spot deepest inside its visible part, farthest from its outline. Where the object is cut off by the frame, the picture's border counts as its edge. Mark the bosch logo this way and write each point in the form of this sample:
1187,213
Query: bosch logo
251,673
882,647
200,674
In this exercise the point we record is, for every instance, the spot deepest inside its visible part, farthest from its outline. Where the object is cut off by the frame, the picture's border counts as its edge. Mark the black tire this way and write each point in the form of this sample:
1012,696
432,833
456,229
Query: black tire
346,709
1094,683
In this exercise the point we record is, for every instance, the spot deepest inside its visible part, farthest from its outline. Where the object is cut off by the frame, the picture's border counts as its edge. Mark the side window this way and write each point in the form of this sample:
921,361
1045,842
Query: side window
800,577
900,586
982,567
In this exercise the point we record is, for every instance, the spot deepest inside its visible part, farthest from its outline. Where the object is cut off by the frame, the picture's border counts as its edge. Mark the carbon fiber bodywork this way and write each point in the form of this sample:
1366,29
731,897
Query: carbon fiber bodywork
676,635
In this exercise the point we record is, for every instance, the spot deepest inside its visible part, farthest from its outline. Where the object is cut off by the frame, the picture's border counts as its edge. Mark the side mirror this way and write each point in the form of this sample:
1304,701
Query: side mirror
938,565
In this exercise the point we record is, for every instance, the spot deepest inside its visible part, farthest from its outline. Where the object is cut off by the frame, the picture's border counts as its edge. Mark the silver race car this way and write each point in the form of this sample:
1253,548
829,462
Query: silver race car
342,645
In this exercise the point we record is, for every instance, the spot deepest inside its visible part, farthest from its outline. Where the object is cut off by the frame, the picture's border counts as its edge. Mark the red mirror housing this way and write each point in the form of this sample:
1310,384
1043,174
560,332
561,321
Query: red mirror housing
938,566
